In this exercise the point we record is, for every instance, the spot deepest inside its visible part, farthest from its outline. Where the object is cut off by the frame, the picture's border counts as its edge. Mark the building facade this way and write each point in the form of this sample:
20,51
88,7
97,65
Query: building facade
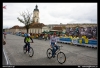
37,27
36,15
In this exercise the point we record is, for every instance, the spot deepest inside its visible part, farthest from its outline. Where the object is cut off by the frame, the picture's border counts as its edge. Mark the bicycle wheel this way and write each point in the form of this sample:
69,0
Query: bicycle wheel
61,57
31,52
24,50
49,53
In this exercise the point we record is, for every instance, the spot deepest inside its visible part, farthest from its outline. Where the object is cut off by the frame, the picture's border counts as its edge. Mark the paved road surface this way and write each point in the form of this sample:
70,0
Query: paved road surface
4,59
76,55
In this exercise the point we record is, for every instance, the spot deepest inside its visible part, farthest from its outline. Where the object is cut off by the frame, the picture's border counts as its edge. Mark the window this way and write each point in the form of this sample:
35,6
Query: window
37,20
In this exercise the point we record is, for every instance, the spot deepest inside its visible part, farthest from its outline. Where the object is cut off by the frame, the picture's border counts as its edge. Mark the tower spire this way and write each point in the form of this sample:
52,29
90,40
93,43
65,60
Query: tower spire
36,6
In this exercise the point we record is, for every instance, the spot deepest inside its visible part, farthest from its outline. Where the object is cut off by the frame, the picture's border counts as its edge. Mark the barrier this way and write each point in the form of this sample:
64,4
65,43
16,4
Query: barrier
91,43
75,41
65,40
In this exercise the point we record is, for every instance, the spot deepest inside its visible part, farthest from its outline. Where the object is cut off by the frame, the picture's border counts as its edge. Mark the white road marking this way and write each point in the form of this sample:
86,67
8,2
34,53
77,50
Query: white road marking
7,60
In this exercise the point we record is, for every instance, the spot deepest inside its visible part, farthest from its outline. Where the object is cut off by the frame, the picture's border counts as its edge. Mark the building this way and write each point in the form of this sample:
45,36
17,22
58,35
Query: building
36,15
81,25
37,27
50,26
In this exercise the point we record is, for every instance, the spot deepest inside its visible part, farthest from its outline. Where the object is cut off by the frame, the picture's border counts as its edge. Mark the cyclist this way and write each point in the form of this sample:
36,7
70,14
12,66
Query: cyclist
53,41
27,42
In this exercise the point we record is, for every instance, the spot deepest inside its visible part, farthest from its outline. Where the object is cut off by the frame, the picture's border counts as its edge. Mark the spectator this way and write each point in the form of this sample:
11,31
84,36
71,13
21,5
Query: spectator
3,40
80,39
93,38
86,40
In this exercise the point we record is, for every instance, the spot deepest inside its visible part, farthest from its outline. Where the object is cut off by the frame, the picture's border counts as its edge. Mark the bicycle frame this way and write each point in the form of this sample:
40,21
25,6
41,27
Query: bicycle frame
59,48
27,47
30,53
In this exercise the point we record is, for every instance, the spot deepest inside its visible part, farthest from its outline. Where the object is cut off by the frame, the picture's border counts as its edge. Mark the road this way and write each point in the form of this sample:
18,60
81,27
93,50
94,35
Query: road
4,59
76,55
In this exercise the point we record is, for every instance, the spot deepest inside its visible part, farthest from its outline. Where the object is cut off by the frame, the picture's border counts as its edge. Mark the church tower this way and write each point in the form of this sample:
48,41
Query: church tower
36,15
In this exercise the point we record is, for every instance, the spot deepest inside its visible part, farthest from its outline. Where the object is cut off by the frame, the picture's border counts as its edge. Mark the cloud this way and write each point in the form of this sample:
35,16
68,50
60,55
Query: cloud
51,13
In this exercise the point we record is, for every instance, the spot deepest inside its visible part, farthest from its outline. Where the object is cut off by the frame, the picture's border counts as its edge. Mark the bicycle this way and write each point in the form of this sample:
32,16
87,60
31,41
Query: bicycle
25,50
59,54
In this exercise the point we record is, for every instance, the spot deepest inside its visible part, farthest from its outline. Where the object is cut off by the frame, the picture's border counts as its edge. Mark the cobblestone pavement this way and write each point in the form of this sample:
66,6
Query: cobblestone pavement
76,55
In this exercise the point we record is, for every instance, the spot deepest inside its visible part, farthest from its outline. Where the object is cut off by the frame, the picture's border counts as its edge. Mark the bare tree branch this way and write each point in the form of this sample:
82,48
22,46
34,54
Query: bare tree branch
21,20
26,19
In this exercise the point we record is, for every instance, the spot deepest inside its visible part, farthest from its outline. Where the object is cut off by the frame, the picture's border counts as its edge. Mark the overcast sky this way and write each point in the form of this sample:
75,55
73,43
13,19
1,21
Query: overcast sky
51,13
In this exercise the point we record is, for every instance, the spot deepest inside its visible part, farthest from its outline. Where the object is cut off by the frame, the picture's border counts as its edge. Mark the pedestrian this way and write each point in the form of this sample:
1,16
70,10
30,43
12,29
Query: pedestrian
3,40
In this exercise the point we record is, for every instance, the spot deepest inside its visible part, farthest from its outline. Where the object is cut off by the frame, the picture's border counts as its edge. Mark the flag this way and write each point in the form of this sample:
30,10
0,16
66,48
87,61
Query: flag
4,7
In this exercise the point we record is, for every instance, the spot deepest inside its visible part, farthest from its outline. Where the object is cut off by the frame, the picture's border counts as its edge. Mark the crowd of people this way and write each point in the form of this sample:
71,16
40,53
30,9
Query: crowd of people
89,32
84,34
82,38
47,36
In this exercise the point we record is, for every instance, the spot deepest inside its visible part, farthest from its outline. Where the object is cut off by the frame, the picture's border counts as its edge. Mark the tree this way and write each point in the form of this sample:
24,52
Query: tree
26,19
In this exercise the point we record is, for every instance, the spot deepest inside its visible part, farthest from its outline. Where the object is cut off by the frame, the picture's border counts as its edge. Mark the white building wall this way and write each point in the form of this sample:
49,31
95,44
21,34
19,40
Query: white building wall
36,16
45,29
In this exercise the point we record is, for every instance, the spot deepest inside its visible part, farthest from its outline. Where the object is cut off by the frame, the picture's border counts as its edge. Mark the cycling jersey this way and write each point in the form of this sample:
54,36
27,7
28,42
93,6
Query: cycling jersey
27,39
53,40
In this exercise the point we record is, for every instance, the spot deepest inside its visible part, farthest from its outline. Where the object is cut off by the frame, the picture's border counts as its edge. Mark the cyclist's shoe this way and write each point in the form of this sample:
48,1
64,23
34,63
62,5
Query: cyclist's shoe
53,56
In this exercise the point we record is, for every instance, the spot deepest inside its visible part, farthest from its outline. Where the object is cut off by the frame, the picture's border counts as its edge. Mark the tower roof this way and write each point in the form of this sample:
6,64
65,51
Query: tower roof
36,8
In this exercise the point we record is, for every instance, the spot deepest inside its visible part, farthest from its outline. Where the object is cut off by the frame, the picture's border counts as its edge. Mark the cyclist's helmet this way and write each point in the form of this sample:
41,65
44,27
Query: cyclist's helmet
28,35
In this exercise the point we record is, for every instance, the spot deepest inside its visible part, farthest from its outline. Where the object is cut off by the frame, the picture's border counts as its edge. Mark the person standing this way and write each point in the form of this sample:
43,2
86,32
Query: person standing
3,40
